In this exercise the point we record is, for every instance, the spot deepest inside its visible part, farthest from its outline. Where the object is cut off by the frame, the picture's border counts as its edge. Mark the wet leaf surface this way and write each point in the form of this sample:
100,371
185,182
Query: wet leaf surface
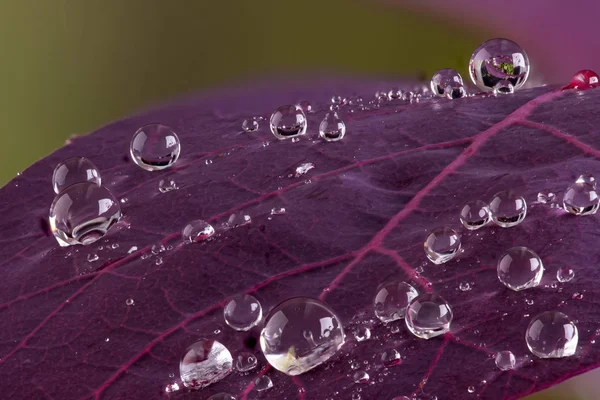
359,216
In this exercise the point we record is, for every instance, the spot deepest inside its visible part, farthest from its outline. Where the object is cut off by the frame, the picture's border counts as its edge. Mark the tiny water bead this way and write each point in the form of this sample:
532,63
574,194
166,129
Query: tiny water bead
263,383
507,209
306,106
581,198
197,231
360,377
332,128
552,334
288,122
250,125
441,245
83,213
166,185
245,362
74,170
155,147
203,363
222,396
584,80
520,268
243,312
362,333
390,357
464,286
565,274
444,78
299,334
546,197
391,300
499,60
505,360
129,302
428,315
474,215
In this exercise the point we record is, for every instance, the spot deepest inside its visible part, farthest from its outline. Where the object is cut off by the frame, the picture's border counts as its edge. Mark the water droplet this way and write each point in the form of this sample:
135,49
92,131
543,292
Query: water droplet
356,396
129,302
263,383
455,91
284,343
395,328
577,296
391,300
242,312
584,79
288,122
497,60
471,389
441,245
158,248
332,128
395,94
155,147
503,87
505,360
197,231
158,261
203,363
306,107
529,302
362,333
428,315
546,197
508,209
360,377
172,387
250,125
303,169
586,178
390,357
83,213
74,170
381,97
520,268
166,185
552,334
92,257
444,78
565,274
277,211
237,220
217,331
222,396
408,96
474,215
339,100
132,249
464,286
245,362
124,200
581,199
107,340
208,162
114,246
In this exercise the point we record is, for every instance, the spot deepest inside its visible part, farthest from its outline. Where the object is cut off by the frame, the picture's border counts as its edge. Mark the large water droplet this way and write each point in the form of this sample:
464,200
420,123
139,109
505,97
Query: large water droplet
83,213
508,209
222,396
581,198
332,128
474,215
155,147
391,300
520,268
245,362
203,363
552,334
565,274
441,245
497,60
505,360
243,312
428,315
444,78
288,122
197,231
74,170
360,377
584,79
390,357
300,334
362,333
263,383
250,125
166,185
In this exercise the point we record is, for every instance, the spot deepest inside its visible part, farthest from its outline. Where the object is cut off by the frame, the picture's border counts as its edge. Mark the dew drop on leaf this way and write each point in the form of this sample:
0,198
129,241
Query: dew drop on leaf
250,125
155,147
167,185
565,274
197,231
508,209
129,302
362,333
203,363
243,312
474,215
390,357
471,389
92,257
444,78
332,128
520,268
499,60
263,383
581,198
428,315
245,362
505,360
74,170
303,169
464,286
391,300
360,377
442,244
552,334
288,122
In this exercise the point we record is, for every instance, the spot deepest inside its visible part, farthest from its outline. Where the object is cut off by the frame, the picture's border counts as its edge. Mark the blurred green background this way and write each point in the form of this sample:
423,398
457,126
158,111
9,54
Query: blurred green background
71,66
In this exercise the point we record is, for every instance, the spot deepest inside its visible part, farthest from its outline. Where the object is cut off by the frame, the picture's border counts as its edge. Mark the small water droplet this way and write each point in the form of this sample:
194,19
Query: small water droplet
129,302
172,387
289,346
243,312
581,198
529,302
250,125
303,169
356,396
74,170
171,375
166,185
455,91
390,357
395,94
508,209
197,231
362,333
565,274
339,100
132,249
552,334
208,162
360,377
158,248
277,211
155,147
474,215
584,79
546,197
107,340
217,331
441,245
391,300
428,315
158,261
245,362
444,78
83,213
263,383
92,257
520,268
577,296
505,360
332,128
306,106
288,122
464,286
498,60
203,363
471,389
114,246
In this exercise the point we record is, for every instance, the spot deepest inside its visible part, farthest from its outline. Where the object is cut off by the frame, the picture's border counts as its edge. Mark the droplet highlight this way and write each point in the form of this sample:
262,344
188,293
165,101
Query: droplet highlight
155,147
508,209
428,316
391,300
243,312
441,245
288,122
552,334
250,125
74,170
204,363
520,268
197,231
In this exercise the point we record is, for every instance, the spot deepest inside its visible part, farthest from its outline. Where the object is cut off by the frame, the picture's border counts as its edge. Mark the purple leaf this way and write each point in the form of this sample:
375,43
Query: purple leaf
359,216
